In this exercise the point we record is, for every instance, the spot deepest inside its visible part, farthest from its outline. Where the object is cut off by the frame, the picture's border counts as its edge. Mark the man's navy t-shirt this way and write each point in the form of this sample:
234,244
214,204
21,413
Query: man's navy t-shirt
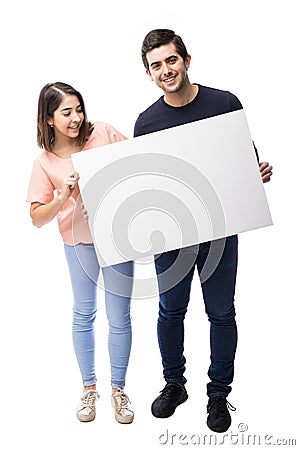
209,102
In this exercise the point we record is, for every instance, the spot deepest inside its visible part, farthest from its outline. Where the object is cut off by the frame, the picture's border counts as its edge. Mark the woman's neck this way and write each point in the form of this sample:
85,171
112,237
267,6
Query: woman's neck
65,148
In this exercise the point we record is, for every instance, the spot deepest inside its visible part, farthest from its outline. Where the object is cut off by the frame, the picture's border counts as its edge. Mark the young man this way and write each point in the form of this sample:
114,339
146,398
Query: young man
167,62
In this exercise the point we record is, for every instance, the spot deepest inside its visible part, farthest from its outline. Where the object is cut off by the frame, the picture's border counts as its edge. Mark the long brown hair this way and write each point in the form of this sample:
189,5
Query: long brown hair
50,98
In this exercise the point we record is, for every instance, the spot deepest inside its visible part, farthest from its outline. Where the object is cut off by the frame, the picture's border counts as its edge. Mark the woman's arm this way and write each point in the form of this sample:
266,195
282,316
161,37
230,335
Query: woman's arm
42,214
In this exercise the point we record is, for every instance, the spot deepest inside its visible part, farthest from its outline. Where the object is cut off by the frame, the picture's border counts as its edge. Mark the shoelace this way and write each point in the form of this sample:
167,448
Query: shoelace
221,402
230,406
167,392
122,400
89,398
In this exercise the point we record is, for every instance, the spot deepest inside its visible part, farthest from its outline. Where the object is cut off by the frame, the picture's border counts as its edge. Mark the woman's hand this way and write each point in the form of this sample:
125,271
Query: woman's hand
68,186
84,213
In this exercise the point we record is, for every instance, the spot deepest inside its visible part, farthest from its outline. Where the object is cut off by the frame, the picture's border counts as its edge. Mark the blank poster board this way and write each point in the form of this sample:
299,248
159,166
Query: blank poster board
172,189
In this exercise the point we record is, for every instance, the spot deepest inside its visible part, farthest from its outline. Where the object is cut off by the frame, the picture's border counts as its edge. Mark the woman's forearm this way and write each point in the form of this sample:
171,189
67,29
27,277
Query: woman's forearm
42,214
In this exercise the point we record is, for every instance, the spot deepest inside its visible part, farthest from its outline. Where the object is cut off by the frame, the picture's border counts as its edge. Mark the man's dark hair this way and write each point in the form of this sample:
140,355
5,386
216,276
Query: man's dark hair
156,38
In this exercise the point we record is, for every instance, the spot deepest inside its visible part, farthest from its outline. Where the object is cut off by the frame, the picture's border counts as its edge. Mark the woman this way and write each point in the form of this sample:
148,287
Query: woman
63,129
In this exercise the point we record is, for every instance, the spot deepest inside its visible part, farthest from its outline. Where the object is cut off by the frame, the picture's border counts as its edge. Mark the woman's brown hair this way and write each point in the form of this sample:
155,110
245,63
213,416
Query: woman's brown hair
50,98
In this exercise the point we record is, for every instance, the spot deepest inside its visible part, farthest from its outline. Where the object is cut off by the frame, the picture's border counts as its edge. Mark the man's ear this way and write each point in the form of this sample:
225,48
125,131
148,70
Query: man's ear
187,61
149,74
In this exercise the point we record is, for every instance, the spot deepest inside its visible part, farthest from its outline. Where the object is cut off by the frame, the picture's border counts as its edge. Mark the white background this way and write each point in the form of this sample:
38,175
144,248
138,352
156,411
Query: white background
248,47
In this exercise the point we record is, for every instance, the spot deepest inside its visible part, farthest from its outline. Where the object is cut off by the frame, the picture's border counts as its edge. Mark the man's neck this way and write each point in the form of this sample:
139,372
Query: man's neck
186,95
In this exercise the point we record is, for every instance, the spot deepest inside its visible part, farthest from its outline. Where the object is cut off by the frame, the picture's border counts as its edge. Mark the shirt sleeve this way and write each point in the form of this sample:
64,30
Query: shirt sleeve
235,104
138,131
113,134
40,187
256,152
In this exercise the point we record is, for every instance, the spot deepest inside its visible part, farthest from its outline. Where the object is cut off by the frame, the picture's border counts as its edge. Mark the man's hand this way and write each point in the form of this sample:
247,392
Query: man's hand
265,171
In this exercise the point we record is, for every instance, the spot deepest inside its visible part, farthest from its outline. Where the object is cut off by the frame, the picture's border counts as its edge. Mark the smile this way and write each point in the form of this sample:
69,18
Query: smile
169,79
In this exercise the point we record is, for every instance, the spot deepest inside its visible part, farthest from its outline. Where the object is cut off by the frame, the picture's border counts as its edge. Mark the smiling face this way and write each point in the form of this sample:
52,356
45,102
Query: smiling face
68,118
167,68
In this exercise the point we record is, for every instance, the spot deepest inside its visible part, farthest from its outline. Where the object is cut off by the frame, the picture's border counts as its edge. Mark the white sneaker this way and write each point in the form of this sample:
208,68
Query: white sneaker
122,406
86,408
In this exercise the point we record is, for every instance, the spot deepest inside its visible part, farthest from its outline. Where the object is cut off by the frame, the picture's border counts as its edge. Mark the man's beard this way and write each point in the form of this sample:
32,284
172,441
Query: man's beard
177,88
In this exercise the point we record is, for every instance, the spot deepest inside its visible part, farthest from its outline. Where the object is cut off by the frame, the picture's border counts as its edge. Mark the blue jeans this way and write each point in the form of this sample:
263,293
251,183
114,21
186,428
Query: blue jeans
118,281
218,294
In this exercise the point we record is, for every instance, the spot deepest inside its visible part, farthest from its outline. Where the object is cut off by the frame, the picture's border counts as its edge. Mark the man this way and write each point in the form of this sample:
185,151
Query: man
167,62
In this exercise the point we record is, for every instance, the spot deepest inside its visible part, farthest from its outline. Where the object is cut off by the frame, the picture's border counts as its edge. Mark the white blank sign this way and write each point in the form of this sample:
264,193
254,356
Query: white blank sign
172,189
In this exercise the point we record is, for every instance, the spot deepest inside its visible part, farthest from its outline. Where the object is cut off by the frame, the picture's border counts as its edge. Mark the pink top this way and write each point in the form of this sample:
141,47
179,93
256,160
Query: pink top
47,177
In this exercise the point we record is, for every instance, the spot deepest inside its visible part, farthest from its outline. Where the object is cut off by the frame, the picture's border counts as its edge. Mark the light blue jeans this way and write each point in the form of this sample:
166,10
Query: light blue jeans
118,281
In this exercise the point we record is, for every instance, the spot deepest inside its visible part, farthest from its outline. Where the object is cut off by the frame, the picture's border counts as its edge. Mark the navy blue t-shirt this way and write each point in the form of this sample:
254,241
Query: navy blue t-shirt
209,102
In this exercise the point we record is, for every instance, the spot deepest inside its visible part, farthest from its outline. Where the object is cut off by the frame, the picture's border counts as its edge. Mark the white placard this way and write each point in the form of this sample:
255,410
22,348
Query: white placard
172,189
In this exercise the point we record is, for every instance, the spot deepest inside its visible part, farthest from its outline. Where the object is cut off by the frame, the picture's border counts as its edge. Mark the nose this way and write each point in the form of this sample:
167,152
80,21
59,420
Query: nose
166,68
75,118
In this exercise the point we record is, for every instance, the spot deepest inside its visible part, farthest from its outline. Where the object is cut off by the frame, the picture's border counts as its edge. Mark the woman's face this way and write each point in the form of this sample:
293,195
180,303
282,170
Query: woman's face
68,118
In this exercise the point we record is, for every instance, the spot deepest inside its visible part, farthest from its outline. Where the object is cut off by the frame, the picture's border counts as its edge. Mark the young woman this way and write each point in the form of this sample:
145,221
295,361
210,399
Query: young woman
63,129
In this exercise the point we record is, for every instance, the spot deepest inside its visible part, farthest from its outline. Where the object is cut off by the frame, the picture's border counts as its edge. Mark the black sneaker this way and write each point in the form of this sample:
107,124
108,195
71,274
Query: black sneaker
219,419
171,396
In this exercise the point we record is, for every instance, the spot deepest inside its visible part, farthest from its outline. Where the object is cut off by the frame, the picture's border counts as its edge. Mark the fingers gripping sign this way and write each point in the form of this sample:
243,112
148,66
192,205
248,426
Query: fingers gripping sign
266,171
84,213
69,184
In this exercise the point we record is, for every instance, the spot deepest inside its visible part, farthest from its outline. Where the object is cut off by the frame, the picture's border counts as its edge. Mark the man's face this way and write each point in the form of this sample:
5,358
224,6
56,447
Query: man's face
167,68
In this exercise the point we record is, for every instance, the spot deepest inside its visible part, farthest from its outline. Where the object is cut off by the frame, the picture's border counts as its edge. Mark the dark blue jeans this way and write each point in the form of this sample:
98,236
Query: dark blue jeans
218,294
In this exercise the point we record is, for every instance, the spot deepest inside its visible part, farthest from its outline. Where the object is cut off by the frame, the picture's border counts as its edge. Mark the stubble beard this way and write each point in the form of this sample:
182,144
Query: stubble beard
177,88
